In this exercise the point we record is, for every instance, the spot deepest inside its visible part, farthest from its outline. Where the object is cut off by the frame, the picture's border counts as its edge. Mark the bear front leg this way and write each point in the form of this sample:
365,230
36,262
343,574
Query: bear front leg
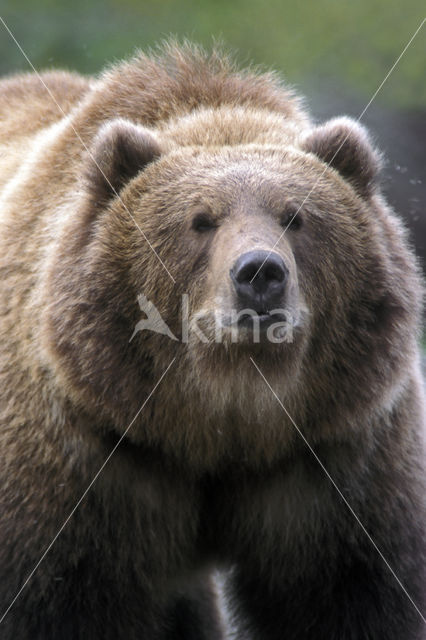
82,607
351,595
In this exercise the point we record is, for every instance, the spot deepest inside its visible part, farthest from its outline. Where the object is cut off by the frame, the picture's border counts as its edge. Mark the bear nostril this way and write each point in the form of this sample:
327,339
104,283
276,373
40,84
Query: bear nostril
247,272
274,271
259,278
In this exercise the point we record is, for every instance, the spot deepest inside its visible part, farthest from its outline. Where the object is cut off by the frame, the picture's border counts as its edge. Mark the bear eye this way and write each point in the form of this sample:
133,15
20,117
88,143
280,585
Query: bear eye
292,219
202,222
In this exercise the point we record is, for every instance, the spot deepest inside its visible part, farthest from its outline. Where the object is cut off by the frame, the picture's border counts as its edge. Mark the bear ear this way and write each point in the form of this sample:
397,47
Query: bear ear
345,145
120,151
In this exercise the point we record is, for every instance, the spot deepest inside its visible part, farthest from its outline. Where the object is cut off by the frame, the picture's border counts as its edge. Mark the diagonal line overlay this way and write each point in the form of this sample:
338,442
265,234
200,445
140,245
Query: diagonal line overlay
339,492
86,148
84,494
344,140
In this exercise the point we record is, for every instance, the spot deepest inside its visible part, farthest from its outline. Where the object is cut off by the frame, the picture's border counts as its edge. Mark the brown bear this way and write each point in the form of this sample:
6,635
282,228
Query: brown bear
273,428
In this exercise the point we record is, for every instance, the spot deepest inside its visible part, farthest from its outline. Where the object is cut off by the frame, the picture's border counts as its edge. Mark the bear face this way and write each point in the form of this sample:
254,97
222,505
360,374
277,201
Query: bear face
217,217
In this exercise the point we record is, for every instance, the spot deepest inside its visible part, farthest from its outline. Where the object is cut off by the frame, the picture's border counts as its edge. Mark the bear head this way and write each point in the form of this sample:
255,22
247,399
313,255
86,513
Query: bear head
246,242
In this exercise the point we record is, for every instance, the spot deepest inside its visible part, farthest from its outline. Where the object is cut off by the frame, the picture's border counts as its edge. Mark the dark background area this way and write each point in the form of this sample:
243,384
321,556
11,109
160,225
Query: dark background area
335,52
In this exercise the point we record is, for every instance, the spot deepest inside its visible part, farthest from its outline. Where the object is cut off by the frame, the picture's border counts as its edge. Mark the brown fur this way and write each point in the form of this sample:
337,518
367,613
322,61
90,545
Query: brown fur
212,469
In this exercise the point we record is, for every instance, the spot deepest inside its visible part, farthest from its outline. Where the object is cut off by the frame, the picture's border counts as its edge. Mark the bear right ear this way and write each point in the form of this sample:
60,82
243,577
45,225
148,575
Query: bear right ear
120,151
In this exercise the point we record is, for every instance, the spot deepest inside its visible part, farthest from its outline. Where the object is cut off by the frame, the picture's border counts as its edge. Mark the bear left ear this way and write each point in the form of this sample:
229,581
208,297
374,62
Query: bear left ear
120,151
345,145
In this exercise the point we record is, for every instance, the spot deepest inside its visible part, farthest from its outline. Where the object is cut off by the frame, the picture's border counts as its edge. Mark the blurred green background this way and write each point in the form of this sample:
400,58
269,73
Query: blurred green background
351,43
335,52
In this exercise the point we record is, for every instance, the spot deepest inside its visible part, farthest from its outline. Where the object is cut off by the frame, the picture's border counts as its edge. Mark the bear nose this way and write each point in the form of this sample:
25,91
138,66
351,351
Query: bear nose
259,279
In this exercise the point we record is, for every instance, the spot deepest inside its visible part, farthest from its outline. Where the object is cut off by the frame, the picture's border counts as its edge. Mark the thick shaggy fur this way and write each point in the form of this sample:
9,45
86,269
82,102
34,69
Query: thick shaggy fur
212,471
